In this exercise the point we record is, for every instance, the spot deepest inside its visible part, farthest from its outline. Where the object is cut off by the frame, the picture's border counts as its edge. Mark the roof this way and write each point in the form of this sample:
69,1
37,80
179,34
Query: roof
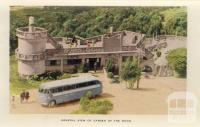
68,81
128,36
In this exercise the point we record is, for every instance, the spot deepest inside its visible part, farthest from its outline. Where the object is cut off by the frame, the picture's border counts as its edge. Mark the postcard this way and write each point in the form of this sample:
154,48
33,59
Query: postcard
106,64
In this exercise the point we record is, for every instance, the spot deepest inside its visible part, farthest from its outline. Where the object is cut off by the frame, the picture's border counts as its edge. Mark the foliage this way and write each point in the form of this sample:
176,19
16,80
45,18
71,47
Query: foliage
110,75
91,21
91,106
175,21
158,53
53,75
115,80
83,68
130,72
177,59
110,67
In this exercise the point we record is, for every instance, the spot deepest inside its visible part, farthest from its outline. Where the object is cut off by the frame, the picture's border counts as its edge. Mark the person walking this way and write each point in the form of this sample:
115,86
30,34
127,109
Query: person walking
95,67
22,96
27,95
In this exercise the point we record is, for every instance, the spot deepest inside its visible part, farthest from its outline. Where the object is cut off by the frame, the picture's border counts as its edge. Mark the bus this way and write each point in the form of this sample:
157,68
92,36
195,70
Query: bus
61,91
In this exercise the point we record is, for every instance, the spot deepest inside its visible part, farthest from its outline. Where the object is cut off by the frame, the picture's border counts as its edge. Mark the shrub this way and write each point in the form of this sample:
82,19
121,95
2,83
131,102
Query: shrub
177,59
158,53
110,75
52,75
110,67
88,106
115,80
83,68
131,72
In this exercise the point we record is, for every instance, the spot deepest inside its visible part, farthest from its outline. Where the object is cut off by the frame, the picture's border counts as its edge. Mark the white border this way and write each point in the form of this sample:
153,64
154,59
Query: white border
54,120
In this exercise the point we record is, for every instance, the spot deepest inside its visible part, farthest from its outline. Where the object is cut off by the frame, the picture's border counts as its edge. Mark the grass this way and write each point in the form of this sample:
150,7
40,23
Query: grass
17,84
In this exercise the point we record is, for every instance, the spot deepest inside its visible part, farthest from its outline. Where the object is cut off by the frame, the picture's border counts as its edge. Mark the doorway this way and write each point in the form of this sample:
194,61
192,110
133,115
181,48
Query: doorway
91,63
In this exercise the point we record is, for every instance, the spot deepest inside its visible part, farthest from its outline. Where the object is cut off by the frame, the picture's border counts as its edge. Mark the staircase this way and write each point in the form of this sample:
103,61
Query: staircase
53,42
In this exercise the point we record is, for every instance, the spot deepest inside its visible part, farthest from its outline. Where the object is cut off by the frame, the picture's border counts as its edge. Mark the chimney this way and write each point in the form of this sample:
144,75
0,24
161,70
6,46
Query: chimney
111,30
31,23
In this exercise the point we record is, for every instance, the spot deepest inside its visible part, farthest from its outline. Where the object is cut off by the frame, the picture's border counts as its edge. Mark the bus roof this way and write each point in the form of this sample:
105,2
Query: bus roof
68,81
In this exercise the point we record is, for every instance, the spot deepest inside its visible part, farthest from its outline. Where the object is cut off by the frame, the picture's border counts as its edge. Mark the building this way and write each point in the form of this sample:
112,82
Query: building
38,52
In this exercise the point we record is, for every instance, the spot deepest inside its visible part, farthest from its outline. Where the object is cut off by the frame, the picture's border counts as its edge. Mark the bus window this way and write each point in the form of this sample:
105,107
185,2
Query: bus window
66,88
92,83
72,87
60,89
54,90
82,85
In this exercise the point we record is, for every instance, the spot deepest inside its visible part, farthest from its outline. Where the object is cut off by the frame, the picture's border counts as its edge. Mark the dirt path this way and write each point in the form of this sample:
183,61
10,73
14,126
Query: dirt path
149,99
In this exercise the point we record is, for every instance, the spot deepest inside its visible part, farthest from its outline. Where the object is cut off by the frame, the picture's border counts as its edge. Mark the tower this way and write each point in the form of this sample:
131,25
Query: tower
31,49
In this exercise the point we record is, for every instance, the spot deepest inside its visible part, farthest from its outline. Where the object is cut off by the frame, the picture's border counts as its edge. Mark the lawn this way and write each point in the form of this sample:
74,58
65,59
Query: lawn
16,83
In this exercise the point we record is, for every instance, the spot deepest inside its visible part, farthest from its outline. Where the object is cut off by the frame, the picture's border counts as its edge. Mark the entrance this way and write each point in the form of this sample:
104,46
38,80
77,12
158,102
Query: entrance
91,63
147,68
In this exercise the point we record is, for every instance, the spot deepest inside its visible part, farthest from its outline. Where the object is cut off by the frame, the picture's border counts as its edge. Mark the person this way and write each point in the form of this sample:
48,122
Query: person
27,95
95,67
22,96
13,101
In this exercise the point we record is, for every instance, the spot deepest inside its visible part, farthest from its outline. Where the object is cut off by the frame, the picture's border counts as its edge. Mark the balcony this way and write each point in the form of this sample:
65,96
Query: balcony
29,57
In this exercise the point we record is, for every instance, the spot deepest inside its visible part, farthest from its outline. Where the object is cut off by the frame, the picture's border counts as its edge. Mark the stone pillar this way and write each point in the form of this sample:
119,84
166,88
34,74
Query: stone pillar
121,41
103,61
61,65
31,23
120,62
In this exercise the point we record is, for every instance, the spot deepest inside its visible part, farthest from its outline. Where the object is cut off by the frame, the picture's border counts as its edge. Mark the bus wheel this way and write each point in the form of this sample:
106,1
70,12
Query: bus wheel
52,103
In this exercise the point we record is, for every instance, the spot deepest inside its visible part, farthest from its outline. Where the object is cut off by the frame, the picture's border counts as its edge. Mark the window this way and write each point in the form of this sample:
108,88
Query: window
73,61
47,62
82,85
66,88
72,87
65,61
53,62
60,89
54,90
92,83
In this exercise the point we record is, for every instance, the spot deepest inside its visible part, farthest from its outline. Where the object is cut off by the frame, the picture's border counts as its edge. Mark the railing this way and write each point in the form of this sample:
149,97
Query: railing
128,48
53,42
82,50
38,33
31,57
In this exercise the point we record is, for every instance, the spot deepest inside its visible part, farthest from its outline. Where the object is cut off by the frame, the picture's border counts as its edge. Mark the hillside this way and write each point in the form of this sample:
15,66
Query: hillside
91,21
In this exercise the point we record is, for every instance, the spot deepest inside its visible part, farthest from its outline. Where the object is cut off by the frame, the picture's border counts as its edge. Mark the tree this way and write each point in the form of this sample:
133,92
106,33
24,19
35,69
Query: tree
177,59
110,67
131,72
91,21
158,53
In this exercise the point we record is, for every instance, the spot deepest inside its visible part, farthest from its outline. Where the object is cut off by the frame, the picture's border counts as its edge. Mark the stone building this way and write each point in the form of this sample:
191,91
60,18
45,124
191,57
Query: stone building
38,52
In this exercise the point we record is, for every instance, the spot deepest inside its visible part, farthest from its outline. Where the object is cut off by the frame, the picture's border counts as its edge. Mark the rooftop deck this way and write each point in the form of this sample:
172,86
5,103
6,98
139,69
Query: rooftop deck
97,41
